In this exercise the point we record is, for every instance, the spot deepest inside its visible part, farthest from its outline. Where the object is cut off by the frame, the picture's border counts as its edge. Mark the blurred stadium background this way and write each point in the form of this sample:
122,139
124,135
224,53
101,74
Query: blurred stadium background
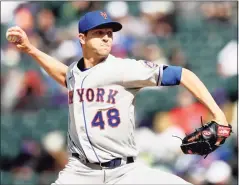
200,36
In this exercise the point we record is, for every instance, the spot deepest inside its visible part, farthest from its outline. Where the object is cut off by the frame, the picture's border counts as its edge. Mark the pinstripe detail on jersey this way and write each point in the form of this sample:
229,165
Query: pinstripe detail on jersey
83,111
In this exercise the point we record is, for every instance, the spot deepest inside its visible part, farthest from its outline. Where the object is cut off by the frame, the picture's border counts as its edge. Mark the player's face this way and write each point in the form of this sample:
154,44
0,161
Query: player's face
99,41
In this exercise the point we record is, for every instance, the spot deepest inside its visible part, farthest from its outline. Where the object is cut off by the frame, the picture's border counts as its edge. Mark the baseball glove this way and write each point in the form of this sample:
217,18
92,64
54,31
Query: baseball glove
205,139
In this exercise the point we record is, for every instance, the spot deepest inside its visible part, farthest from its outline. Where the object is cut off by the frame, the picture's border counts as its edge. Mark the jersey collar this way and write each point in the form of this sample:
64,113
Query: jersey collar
80,64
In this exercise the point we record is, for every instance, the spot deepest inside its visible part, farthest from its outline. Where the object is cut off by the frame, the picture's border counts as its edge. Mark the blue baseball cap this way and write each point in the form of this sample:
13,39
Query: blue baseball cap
97,19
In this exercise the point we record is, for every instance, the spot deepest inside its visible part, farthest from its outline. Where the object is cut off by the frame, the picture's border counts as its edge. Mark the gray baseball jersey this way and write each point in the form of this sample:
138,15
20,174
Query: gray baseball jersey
101,109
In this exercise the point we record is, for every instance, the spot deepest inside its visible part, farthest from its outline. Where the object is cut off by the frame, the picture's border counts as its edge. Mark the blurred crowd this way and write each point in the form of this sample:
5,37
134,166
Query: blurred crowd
147,28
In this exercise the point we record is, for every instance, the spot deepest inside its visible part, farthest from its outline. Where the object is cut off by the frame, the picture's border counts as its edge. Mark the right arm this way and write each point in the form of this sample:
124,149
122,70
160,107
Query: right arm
53,67
56,69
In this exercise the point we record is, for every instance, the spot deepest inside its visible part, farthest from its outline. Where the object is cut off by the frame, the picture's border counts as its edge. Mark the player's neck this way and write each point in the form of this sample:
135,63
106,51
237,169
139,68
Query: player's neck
90,61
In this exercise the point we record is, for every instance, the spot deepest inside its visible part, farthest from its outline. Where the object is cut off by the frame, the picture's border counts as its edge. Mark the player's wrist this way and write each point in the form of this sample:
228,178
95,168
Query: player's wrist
220,119
31,50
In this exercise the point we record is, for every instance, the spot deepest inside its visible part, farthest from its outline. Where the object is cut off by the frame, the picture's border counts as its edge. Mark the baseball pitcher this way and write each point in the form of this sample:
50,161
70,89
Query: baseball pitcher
101,91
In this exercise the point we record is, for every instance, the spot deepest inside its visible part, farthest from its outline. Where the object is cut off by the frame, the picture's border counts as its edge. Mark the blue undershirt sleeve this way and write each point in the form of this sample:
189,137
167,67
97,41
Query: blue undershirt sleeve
171,75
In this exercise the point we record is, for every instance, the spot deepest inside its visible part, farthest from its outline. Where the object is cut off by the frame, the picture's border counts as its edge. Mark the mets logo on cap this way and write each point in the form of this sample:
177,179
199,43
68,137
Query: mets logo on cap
103,14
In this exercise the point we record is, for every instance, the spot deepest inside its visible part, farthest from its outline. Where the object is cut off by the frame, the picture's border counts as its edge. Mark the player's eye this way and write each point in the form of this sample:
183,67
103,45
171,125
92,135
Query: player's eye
109,33
99,32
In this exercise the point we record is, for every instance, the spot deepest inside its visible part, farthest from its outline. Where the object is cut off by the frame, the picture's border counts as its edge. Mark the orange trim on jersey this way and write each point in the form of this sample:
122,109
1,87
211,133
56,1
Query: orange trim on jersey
114,115
112,95
100,96
108,118
80,93
92,95
98,120
70,97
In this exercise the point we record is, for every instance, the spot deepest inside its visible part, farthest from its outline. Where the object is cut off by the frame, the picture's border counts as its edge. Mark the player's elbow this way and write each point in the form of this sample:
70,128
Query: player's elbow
187,75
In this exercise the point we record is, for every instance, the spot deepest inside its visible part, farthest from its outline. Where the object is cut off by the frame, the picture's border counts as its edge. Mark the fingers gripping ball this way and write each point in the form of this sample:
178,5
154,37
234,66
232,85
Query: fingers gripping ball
206,139
14,34
19,38
12,38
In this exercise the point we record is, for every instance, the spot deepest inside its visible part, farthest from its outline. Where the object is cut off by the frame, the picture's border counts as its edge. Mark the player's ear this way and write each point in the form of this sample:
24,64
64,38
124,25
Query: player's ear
82,38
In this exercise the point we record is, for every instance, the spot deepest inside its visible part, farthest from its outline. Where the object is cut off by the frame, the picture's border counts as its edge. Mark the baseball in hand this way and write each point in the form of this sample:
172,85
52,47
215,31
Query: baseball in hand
12,38
19,38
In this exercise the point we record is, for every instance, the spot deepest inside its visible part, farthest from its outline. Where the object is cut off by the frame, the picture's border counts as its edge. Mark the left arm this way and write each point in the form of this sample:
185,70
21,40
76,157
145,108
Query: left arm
198,89
147,73
175,75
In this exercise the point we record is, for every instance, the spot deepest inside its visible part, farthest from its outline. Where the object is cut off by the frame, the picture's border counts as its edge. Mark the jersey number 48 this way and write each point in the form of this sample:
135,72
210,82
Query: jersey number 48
113,119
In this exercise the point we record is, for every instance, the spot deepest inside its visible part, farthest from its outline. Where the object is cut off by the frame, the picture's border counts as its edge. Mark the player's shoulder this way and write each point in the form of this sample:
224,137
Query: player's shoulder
134,62
113,59
71,66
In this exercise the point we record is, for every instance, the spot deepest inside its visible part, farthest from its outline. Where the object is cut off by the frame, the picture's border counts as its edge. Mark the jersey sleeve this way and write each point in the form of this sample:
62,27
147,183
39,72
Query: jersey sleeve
141,73
69,74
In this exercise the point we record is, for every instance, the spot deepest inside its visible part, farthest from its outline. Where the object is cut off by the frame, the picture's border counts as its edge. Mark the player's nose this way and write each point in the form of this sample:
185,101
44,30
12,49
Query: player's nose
106,38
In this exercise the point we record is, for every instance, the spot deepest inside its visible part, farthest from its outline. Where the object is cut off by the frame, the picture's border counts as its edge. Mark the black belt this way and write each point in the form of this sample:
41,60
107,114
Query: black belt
110,164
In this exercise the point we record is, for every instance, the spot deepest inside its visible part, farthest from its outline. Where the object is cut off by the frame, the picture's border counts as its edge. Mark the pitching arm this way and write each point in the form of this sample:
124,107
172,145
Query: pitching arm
53,67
